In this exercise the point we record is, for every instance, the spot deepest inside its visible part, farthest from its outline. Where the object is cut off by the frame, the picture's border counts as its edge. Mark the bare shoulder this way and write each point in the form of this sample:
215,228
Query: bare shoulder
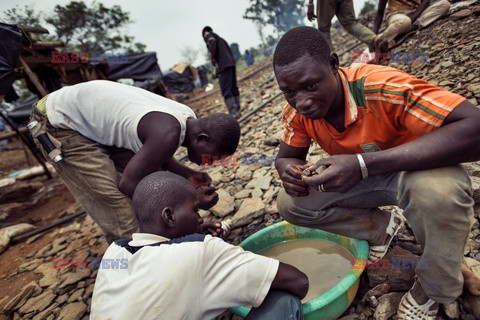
158,125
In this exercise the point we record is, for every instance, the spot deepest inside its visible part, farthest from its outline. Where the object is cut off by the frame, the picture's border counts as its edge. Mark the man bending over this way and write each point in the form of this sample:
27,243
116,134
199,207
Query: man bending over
112,135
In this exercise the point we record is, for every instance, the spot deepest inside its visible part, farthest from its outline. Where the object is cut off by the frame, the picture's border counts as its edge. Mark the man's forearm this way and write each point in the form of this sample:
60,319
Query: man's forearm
176,167
424,5
445,146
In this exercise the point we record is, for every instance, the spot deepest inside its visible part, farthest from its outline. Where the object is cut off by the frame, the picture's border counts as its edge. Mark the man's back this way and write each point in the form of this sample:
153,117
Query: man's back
193,277
108,112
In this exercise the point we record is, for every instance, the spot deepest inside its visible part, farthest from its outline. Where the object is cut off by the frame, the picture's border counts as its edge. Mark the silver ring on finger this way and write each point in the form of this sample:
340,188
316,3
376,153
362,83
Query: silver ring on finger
321,188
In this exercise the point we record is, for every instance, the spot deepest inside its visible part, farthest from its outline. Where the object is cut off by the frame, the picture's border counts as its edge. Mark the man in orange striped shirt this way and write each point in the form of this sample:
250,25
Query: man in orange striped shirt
393,140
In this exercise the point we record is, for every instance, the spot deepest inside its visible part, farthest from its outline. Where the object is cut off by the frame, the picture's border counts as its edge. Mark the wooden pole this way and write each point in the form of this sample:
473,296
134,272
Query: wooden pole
33,78
47,44
28,144
12,134
34,29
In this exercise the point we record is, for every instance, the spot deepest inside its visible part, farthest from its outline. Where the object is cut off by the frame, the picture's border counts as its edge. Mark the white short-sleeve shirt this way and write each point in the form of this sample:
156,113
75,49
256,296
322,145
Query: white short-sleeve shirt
109,112
196,278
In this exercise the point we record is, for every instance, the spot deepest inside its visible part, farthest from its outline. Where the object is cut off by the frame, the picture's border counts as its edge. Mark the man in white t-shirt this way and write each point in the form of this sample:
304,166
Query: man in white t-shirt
112,135
170,271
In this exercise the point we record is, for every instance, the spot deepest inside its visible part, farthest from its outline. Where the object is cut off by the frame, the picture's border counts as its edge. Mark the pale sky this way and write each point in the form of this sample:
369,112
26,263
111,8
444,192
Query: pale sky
168,26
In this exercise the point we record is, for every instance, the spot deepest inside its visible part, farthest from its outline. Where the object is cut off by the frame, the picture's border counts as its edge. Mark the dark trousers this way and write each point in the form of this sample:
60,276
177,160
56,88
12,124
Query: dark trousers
277,305
228,82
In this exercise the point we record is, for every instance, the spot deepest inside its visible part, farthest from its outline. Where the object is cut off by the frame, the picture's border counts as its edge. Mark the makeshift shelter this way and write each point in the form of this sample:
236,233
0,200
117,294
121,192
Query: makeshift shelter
47,69
181,78
142,68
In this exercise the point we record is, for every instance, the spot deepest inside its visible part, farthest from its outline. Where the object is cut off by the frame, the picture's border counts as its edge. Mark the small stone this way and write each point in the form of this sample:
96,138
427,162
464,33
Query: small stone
47,313
50,274
388,305
249,210
69,279
270,194
372,301
243,194
73,311
452,310
61,299
38,303
243,173
447,63
41,252
436,68
257,193
461,14
30,265
32,239
475,88
29,290
272,209
377,291
225,204
262,183
76,296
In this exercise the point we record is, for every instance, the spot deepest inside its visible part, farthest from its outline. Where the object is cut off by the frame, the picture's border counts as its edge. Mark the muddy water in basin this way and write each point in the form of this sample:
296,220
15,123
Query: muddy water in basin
324,262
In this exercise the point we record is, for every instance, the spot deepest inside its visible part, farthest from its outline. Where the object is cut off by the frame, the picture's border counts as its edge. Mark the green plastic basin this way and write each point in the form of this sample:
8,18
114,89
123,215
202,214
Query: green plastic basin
335,301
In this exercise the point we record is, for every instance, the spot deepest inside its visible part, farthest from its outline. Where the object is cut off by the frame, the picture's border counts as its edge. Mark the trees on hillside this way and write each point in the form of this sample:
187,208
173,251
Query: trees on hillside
368,6
282,15
94,28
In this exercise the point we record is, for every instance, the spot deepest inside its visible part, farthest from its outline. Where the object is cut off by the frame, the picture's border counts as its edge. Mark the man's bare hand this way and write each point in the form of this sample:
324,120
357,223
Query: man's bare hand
311,11
292,181
200,178
214,228
207,197
340,174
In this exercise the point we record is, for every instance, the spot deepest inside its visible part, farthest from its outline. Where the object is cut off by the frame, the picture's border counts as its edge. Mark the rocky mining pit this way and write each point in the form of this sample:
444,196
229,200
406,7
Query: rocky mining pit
31,289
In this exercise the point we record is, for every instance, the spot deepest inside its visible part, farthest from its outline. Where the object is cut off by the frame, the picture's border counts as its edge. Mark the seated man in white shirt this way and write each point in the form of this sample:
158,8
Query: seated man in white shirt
171,271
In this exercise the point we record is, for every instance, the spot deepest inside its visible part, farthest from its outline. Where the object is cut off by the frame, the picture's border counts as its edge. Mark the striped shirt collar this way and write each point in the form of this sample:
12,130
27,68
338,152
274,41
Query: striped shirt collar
351,111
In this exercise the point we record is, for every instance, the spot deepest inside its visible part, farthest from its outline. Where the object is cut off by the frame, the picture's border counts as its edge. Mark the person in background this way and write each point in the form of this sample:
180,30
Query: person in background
172,271
222,59
404,17
345,13
248,58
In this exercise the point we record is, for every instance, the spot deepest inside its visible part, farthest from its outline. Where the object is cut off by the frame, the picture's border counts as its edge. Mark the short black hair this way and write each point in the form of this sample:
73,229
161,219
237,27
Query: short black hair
223,131
155,192
300,41
206,28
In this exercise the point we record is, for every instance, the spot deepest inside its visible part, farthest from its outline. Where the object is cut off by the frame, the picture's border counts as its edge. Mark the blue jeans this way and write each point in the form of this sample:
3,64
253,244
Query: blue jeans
277,305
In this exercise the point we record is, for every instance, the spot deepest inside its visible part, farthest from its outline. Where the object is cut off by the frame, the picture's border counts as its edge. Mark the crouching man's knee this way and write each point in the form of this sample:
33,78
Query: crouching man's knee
294,210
